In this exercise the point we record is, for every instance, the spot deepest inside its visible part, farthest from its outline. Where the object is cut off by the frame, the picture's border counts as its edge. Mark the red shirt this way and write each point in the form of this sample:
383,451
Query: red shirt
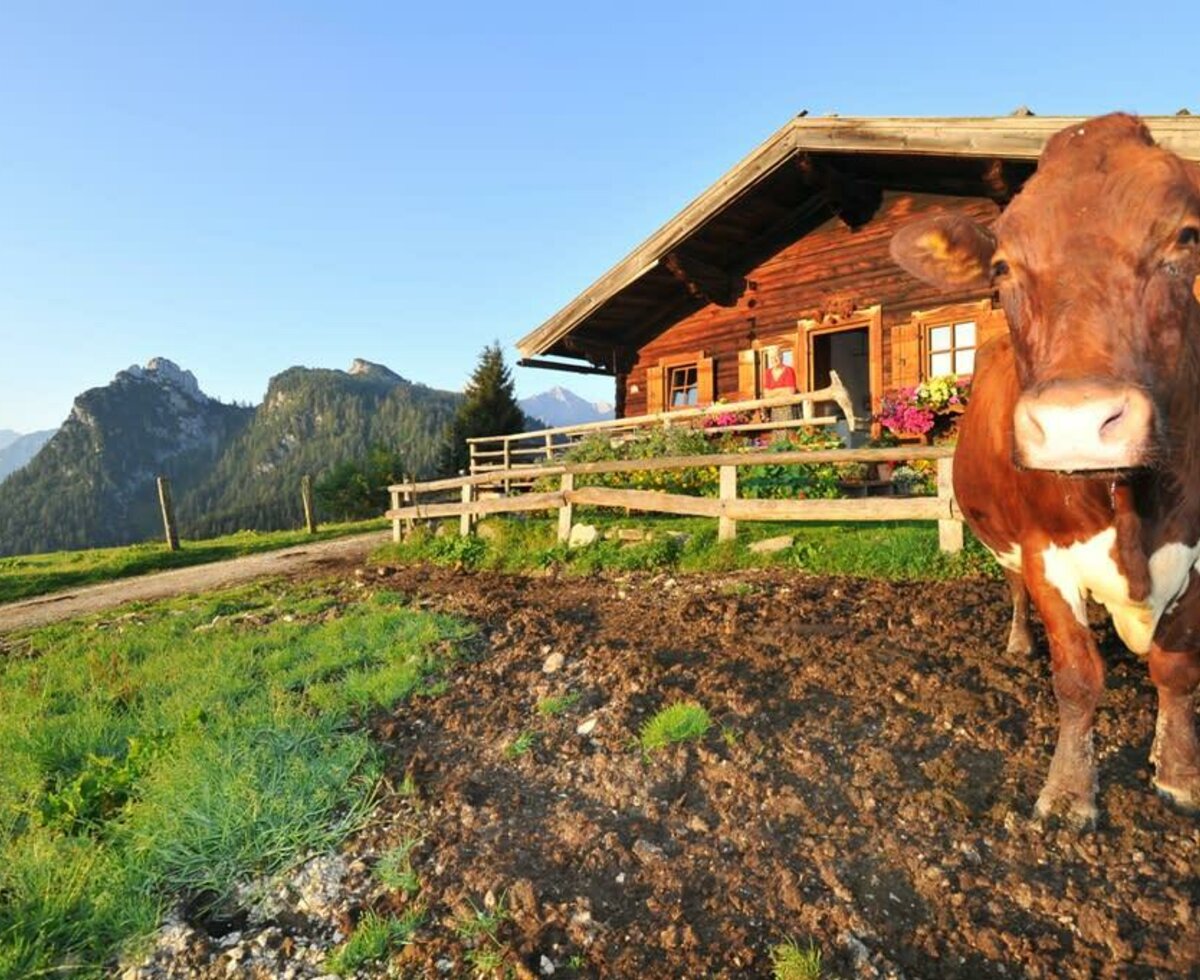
786,378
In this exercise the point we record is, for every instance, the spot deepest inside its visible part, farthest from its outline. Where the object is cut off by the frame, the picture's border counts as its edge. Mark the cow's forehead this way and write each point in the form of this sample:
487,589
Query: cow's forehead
1116,186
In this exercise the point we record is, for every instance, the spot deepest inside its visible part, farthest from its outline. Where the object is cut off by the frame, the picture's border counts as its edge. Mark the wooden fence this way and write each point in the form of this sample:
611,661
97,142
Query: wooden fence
728,508
526,449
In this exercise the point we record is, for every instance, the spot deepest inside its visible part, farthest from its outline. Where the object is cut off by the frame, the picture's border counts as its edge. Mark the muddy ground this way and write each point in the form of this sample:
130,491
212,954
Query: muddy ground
866,786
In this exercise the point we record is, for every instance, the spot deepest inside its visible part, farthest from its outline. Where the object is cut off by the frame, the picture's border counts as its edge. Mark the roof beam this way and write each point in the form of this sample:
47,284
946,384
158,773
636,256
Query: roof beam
535,362
705,282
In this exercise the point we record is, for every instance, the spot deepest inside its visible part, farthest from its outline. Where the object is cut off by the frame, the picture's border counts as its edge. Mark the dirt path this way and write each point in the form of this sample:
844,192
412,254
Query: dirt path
320,556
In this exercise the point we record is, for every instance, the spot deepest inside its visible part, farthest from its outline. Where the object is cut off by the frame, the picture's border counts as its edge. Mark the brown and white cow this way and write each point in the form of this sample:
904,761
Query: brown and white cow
1078,460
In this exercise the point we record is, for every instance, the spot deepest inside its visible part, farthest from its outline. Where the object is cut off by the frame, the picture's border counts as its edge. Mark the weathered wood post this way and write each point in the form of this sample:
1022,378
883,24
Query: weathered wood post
549,447
727,526
950,531
306,497
168,513
566,513
507,465
395,494
467,520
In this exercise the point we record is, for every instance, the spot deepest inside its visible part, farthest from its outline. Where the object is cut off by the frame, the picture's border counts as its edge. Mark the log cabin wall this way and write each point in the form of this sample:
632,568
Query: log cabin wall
832,269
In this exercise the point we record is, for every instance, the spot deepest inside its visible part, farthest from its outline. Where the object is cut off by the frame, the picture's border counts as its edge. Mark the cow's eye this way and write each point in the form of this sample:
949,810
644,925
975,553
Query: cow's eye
999,269
1188,236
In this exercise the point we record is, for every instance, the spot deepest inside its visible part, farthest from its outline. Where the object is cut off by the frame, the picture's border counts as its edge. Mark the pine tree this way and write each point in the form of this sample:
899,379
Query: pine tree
489,408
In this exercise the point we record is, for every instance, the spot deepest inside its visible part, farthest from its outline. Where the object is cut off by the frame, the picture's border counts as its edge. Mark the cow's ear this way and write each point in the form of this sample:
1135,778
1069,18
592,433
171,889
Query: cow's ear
946,250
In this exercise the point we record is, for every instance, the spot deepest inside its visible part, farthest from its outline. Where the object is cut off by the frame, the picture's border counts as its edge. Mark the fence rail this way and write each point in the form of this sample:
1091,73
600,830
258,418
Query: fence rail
728,508
490,454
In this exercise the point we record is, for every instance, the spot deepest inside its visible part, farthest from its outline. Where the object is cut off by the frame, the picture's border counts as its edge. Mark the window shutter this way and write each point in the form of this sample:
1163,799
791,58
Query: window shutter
906,355
705,381
654,389
747,374
992,324
803,380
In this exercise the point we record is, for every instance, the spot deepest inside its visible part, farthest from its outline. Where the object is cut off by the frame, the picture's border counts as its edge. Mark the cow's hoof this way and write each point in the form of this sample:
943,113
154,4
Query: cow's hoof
1183,796
1019,646
1078,814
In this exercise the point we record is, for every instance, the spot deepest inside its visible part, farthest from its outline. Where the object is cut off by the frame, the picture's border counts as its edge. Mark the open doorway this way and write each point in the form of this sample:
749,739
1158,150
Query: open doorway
848,352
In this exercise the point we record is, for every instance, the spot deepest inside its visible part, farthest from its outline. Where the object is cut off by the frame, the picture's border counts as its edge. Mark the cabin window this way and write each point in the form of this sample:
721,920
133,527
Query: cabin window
950,348
683,386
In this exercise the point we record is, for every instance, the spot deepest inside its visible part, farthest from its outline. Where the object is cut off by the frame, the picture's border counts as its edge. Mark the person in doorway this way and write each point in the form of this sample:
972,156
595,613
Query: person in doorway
779,379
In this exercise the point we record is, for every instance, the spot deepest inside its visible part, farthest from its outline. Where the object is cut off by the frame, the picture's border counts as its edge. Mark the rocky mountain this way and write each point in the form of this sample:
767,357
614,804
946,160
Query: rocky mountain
92,484
559,406
18,450
231,467
310,420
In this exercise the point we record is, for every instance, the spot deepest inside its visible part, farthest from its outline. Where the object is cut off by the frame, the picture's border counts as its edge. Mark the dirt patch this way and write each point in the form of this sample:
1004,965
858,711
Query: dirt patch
867,786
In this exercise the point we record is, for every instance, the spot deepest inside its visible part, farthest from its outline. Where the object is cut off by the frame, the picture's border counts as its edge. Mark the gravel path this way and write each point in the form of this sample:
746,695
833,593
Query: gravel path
180,581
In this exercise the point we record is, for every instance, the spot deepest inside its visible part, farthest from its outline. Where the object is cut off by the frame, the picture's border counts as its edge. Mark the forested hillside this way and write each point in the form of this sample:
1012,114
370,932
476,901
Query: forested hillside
92,484
310,420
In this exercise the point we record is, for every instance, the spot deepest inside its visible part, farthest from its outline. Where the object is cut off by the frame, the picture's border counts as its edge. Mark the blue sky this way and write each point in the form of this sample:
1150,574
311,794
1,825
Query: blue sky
242,187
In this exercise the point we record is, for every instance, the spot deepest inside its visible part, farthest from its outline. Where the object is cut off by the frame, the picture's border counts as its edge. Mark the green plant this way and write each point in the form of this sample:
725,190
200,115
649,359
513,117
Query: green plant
373,938
811,480
520,745
557,705
481,923
486,962
394,868
790,961
679,722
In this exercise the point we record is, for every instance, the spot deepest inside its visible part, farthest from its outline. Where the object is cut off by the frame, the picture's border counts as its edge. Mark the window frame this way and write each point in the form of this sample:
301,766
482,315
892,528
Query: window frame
669,386
950,316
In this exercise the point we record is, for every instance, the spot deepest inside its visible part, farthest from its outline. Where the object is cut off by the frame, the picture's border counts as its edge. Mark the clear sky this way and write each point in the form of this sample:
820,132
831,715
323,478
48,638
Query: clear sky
245,186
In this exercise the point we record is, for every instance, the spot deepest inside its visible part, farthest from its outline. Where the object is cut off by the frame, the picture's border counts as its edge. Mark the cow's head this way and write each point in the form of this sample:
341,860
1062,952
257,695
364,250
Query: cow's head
1095,262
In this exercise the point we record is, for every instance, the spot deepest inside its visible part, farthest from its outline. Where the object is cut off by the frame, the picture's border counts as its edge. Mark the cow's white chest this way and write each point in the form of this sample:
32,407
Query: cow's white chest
1089,568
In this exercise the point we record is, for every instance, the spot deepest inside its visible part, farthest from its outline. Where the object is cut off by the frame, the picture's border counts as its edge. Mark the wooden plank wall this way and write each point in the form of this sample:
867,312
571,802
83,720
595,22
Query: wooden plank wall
830,268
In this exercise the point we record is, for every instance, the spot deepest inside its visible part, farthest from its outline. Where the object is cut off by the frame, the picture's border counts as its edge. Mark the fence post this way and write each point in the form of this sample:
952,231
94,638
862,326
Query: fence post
507,465
950,531
566,513
549,447
395,520
310,520
465,522
727,526
168,513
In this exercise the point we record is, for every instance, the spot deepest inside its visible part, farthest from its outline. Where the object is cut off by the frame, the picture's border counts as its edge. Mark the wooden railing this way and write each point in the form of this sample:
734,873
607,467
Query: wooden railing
526,449
728,508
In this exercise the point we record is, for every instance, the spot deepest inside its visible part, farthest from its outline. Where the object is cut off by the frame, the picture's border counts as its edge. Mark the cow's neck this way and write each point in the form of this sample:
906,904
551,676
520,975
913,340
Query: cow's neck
1177,481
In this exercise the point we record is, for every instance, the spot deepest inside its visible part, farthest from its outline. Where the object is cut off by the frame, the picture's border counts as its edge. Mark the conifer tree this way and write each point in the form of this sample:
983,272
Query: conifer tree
489,408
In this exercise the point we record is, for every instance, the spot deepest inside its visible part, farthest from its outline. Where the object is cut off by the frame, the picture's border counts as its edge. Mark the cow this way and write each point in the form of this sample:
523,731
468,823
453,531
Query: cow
1078,458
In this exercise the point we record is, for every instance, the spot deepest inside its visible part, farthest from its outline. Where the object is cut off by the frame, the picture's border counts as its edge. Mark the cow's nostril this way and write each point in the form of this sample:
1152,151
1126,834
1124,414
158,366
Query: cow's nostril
1111,425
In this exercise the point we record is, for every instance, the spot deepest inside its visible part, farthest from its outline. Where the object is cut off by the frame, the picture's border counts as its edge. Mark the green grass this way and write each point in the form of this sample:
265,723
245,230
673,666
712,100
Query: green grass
186,746
790,961
521,745
481,923
30,575
552,707
682,721
373,938
394,868
898,550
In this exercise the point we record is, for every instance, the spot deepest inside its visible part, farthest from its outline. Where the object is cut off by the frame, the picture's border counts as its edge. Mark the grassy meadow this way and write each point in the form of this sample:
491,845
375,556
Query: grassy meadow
24,576
174,749
899,550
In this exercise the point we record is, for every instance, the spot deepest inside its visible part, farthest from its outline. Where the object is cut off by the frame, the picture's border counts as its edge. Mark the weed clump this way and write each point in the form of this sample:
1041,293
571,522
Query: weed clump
791,961
682,721
374,938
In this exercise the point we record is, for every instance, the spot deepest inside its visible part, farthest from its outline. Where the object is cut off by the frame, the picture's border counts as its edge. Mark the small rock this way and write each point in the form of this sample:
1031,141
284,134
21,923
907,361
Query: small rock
860,956
587,726
546,966
621,878
553,663
770,545
646,852
631,534
582,534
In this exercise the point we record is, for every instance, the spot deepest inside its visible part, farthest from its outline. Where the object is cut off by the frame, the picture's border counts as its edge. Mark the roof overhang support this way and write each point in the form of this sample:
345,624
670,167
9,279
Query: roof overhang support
705,282
537,362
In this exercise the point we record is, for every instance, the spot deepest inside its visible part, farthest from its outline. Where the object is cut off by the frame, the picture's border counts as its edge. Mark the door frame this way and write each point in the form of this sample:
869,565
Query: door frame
870,317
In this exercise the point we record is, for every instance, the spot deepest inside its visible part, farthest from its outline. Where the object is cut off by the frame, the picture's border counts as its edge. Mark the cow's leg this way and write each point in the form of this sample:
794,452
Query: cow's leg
1176,752
1020,640
1078,685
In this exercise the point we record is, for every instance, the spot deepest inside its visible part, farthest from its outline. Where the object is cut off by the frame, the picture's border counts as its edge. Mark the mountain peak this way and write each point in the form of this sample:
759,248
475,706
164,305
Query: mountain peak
360,367
169,374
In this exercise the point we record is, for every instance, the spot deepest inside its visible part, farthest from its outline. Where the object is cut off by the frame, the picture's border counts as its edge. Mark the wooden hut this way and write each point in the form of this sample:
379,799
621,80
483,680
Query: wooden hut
789,250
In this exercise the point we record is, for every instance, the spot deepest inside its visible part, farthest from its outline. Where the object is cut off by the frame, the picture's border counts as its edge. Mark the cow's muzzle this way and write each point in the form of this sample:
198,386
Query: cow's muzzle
1084,425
